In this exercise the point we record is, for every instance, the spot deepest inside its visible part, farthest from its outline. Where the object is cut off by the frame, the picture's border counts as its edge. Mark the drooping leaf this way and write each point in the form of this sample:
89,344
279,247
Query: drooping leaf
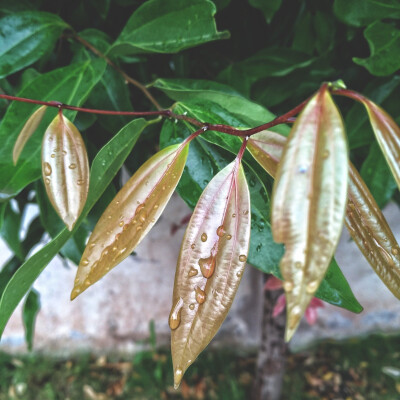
168,26
25,37
104,167
210,265
384,44
372,234
267,148
29,128
309,200
10,231
132,213
65,169
29,313
269,8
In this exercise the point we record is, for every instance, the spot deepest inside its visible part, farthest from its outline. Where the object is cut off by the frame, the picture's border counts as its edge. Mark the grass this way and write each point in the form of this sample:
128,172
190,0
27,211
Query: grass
350,370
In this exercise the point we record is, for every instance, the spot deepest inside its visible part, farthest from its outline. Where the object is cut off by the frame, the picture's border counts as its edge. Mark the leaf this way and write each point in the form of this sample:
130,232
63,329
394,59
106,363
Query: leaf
168,26
372,234
375,172
210,265
387,134
309,200
130,216
65,169
25,37
269,8
10,231
69,85
384,44
267,147
361,13
104,167
29,128
29,313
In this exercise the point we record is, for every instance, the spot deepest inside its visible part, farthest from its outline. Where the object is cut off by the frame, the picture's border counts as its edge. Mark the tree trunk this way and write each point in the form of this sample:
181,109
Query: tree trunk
272,353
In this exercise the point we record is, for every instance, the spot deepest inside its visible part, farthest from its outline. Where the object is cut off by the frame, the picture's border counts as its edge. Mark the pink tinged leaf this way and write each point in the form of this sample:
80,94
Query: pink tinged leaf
372,234
273,283
27,131
279,305
210,265
387,133
130,216
309,200
65,169
311,315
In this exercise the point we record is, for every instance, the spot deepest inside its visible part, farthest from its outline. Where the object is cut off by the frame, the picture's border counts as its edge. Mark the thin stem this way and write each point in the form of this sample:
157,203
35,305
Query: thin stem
119,70
350,93
242,149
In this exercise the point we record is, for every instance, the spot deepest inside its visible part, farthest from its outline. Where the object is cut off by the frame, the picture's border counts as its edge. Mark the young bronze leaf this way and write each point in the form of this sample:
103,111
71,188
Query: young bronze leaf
65,169
132,213
387,133
370,230
267,147
210,265
27,131
309,199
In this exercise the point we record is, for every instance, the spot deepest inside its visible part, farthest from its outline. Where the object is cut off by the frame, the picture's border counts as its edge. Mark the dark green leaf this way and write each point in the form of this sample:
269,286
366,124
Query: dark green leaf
10,230
361,13
104,167
168,26
25,37
269,8
29,313
303,34
384,44
70,85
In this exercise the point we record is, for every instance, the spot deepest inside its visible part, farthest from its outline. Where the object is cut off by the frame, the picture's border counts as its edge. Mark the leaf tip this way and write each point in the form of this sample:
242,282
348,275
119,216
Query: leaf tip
293,319
178,375
75,292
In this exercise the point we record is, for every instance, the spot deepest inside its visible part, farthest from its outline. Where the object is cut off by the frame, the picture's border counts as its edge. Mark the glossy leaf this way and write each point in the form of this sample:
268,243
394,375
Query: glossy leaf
29,128
65,169
267,148
25,37
309,201
168,26
372,234
210,265
29,313
104,167
387,133
132,213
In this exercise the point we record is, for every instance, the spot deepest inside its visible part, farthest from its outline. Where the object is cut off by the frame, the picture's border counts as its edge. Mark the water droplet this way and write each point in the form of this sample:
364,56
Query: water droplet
142,218
115,248
204,237
312,287
246,212
72,166
155,206
121,223
193,246
192,272
325,154
207,266
138,228
239,274
296,310
80,181
175,315
87,282
85,261
91,245
53,155
220,231
229,237
139,208
258,248
200,295
47,169
298,264
125,227
191,306
288,286
233,215
117,202
395,251
242,258
47,180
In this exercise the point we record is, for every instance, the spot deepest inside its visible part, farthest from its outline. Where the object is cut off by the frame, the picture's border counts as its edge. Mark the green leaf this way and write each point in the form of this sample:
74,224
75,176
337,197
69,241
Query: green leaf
11,229
168,26
377,176
29,313
269,7
25,37
303,34
104,167
361,13
70,85
384,44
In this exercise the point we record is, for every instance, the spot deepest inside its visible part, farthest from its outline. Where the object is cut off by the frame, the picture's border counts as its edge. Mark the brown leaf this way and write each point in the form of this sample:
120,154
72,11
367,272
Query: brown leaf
132,213
210,265
29,128
65,169
309,199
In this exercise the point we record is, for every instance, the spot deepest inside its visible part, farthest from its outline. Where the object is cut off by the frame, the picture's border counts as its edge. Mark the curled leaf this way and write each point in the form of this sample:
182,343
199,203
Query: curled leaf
210,265
65,169
29,128
387,133
131,214
371,232
309,199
